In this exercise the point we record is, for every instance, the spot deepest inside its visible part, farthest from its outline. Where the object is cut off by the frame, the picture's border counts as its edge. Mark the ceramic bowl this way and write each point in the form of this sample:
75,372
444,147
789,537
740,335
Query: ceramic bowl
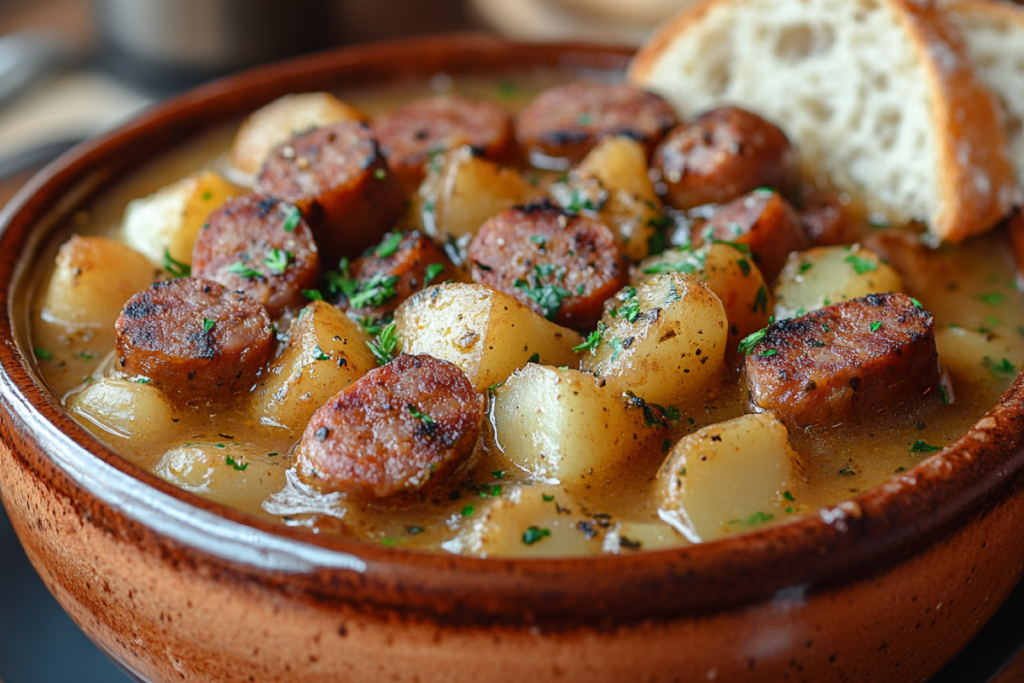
885,586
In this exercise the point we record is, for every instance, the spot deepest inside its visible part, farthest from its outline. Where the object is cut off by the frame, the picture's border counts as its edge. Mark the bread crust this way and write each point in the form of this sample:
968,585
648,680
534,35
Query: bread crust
976,183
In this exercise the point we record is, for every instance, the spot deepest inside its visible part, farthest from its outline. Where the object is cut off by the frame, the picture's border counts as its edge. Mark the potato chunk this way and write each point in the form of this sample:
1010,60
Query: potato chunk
168,221
462,190
730,273
823,276
522,523
665,341
326,352
93,278
729,477
632,206
130,410
486,333
563,424
272,124
237,474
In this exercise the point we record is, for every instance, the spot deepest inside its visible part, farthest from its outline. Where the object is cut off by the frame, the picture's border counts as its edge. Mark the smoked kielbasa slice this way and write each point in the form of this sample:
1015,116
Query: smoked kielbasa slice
261,246
400,429
560,264
857,357
763,221
725,153
339,180
565,122
411,134
391,272
195,339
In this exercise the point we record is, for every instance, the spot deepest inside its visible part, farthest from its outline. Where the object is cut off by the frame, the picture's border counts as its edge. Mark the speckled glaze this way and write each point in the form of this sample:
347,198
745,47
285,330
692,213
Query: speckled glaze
884,587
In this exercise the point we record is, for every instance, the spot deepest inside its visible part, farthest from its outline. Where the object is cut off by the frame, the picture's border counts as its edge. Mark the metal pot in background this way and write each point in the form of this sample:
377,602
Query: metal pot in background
167,45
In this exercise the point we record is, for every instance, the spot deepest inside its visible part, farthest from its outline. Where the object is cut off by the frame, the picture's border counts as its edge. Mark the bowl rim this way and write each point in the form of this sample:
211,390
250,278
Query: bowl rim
852,540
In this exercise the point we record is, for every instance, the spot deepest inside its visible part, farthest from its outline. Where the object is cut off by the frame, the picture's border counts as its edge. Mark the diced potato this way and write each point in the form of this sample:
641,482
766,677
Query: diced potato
93,278
269,126
729,477
564,425
822,276
674,346
461,191
964,351
326,353
168,221
730,273
632,206
130,410
486,333
236,474
503,526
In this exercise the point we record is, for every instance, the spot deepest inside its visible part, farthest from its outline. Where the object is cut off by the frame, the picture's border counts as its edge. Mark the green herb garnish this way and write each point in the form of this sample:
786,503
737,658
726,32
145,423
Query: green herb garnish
383,347
389,246
924,447
176,268
861,265
419,415
231,461
292,221
242,270
533,534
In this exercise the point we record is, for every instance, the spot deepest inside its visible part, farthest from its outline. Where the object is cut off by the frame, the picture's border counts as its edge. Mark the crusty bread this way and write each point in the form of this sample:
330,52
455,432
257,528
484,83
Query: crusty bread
877,94
994,32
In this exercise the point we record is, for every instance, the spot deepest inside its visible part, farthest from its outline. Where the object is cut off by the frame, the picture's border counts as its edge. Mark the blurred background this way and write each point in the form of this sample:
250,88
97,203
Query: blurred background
70,69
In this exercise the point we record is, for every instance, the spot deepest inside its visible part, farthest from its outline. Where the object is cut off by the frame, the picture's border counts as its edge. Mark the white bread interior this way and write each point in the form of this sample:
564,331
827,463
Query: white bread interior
877,94
994,31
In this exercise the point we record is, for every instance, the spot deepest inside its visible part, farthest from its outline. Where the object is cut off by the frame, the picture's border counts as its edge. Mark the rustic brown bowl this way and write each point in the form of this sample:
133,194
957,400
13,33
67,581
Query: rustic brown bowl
885,586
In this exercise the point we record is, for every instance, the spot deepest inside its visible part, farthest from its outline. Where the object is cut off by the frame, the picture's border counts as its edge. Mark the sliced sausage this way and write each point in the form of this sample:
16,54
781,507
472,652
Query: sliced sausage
411,134
391,272
339,180
400,429
560,264
858,357
563,123
763,221
827,220
195,339
725,153
262,246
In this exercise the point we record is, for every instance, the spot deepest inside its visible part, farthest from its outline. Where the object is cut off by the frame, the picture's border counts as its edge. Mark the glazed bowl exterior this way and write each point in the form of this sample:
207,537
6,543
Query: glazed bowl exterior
885,586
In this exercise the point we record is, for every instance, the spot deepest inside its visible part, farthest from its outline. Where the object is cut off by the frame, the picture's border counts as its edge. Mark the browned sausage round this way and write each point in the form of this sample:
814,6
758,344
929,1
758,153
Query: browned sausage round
861,356
565,122
560,264
763,221
410,134
727,152
388,274
400,429
195,339
339,180
261,246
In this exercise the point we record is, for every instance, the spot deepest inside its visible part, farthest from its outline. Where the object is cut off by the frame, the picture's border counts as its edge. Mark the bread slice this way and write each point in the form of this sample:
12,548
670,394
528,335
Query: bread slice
877,94
994,32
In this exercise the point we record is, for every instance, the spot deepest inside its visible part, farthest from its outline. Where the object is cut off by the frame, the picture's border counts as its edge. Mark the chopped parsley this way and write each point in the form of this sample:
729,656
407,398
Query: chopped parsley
389,246
498,474
176,268
1004,366
419,415
534,534
43,354
375,291
875,326
991,298
861,265
240,269
788,496
380,174
313,294
547,497
292,220
748,343
744,265
494,387
231,461
593,340
754,519
760,300
768,352
85,355
944,394
631,304
535,358
208,325
584,119
805,266
924,447
277,260
547,297
433,270
468,511
616,345
318,354
383,347
916,303
539,240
